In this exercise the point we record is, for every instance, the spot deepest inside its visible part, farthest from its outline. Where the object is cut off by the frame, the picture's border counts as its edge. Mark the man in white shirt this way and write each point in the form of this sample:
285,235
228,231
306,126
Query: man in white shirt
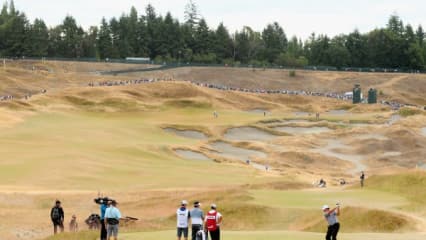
112,218
183,215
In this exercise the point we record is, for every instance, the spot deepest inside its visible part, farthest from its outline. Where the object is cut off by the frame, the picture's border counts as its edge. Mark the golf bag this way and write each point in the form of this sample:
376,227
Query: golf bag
201,235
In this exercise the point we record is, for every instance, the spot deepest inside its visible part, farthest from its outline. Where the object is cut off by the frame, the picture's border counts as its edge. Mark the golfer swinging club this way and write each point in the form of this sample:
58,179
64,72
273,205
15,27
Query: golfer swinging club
333,222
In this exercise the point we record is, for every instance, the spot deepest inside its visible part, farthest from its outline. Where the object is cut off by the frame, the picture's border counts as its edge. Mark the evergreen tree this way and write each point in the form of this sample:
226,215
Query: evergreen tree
192,15
104,43
38,39
248,45
202,38
337,53
89,43
356,45
165,39
319,50
223,45
275,41
420,35
14,32
71,36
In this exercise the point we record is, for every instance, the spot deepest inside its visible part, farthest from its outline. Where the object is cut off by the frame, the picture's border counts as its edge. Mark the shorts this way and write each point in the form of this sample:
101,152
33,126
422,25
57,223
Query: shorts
183,231
112,230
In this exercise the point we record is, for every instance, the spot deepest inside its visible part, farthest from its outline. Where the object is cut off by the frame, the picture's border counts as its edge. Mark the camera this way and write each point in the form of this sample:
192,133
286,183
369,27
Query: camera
102,200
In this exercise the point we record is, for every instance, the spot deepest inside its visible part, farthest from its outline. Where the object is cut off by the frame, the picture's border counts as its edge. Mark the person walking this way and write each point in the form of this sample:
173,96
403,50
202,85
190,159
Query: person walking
73,224
213,221
332,221
362,178
197,219
112,218
57,216
183,215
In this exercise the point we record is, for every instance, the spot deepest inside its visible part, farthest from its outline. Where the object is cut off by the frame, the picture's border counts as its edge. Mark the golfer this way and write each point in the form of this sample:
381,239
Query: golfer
362,178
197,219
333,223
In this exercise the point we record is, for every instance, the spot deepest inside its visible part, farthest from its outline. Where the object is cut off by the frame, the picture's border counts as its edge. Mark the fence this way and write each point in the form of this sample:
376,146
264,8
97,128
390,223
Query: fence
165,66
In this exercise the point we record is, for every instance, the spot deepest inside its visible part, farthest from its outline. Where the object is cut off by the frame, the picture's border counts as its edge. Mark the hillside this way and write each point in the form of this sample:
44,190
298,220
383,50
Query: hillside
405,88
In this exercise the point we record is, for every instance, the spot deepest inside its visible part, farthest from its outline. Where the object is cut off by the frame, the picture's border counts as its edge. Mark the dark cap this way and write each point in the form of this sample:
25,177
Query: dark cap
58,202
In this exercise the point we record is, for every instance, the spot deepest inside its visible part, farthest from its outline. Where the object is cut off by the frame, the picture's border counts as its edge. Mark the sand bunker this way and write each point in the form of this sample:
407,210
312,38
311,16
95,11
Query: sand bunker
226,150
304,114
191,155
334,145
291,121
259,111
392,154
303,130
361,125
337,112
394,119
192,134
247,134
374,136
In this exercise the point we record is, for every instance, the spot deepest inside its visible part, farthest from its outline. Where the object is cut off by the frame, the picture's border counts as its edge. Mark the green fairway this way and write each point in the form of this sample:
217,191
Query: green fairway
126,150
276,235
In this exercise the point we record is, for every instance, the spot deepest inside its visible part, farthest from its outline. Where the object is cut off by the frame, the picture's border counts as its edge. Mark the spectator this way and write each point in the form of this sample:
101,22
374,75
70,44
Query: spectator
57,216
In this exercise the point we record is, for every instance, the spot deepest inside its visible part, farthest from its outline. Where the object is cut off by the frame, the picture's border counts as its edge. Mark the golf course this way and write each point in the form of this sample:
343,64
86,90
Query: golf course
151,139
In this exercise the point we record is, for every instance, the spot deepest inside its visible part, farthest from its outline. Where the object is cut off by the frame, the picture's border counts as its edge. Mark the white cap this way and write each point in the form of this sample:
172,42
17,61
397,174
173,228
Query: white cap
213,206
325,207
184,202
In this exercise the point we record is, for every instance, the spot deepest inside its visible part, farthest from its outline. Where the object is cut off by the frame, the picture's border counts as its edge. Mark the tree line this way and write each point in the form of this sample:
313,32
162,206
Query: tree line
165,39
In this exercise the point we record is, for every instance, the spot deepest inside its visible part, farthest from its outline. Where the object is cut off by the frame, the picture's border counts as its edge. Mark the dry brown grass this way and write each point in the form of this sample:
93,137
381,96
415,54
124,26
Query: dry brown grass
401,87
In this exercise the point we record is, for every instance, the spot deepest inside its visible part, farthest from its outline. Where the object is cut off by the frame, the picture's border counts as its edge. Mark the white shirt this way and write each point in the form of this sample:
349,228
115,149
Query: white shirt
182,218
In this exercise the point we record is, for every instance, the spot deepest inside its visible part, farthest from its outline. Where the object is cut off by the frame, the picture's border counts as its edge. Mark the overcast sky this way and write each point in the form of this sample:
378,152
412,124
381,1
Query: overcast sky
298,17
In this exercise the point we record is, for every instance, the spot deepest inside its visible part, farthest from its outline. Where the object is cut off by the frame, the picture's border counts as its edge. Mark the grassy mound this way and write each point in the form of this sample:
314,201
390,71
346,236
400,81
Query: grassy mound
186,103
77,101
406,112
411,185
356,219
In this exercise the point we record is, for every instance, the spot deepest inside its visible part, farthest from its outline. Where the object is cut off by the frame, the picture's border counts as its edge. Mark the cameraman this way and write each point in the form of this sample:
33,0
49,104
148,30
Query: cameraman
103,207
333,223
